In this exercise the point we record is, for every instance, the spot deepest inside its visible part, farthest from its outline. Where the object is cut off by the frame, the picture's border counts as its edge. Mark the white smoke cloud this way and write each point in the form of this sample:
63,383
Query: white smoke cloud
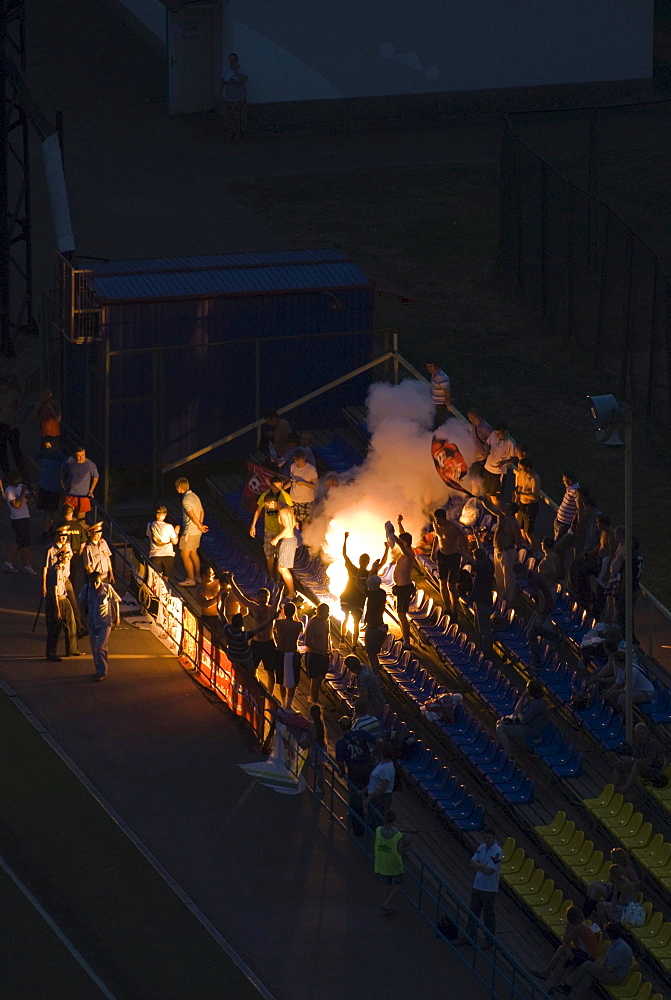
398,476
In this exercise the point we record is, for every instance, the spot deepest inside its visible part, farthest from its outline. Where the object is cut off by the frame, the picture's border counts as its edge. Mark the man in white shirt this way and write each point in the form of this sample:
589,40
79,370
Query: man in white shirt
304,481
487,864
501,453
568,506
162,540
193,529
441,392
381,781
16,495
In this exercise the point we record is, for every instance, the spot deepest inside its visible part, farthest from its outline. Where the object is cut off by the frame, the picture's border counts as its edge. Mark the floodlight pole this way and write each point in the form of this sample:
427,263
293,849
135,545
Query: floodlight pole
628,575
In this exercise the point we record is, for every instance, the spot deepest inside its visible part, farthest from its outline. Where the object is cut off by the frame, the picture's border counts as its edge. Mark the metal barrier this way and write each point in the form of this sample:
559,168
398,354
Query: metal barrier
428,892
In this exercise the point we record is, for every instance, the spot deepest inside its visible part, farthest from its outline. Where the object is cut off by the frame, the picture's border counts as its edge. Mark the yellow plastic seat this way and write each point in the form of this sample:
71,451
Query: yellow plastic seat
542,897
554,827
514,862
629,989
639,839
661,943
575,861
649,855
589,871
570,849
522,875
563,837
601,800
612,809
663,795
652,925
531,886
620,819
508,849
553,909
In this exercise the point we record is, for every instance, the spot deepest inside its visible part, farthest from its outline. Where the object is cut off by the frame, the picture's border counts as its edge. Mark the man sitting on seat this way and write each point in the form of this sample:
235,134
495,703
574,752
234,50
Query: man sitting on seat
645,757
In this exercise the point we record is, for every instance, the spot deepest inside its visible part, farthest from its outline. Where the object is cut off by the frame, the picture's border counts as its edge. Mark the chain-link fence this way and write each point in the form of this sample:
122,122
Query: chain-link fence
577,261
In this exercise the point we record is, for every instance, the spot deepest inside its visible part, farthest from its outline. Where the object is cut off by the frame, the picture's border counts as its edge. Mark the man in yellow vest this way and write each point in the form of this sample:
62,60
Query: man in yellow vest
390,846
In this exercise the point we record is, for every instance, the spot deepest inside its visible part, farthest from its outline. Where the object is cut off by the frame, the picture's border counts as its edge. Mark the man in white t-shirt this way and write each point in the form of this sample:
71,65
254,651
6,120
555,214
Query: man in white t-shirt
441,392
381,781
304,481
193,529
487,864
501,453
162,540
16,495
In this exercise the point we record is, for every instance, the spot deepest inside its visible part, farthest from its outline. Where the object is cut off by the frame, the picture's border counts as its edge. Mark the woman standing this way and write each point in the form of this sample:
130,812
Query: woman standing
234,93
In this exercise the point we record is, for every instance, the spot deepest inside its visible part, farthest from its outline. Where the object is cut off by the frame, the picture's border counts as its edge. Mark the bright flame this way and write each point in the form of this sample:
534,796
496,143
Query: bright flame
366,534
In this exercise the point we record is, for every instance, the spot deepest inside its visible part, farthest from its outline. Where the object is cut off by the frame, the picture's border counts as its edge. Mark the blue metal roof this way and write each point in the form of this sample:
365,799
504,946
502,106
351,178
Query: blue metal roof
254,259
215,282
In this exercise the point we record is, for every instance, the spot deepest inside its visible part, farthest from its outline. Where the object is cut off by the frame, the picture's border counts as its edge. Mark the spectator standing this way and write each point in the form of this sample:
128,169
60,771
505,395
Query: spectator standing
481,431
568,506
549,567
353,597
543,601
97,555
55,553
288,663
210,589
381,782
162,540
487,864
17,495
262,644
234,93
507,540
298,442
77,537
58,609
527,494
9,430
277,441
529,718
49,484
354,757
364,721
483,597
611,970
450,545
193,528
441,392
286,542
376,630
318,646
79,478
618,569
367,685
48,413
390,846
499,457
304,481
404,588
317,753
237,639
99,604
268,504
325,487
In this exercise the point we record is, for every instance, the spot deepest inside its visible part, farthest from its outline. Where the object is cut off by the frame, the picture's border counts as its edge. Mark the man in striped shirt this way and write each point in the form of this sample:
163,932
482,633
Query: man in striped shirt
441,393
568,506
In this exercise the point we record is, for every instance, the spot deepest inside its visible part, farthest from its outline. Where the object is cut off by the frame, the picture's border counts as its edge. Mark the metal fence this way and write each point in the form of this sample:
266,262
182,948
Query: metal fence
577,261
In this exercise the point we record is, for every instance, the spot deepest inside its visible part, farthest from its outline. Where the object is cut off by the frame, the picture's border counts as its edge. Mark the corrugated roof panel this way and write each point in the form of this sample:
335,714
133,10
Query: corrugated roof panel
261,258
259,280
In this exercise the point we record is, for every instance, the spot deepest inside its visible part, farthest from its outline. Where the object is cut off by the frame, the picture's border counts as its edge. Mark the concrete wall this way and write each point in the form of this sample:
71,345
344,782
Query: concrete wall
299,50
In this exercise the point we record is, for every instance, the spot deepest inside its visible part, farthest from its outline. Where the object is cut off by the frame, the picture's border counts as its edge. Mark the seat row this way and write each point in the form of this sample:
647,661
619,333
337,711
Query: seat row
338,454
465,734
549,905
224,553
588,864
491,684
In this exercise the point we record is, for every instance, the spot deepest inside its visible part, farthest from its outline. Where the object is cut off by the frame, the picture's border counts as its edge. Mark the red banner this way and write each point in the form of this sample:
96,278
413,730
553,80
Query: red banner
258,481
450,464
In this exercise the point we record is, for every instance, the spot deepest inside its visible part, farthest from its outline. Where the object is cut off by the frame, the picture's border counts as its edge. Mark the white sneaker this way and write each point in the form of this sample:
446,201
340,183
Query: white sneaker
29,570
8,568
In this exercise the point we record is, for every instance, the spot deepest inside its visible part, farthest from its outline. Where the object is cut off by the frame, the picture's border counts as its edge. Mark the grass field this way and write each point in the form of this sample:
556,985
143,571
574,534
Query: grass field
434,230
104,895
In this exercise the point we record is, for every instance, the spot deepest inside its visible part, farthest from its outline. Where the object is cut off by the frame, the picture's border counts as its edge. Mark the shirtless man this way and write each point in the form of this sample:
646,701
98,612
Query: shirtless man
449,545
287,544
262,644
403,589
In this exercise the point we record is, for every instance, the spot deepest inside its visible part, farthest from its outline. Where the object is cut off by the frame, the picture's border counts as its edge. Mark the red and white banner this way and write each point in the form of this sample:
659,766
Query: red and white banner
450,464
258,481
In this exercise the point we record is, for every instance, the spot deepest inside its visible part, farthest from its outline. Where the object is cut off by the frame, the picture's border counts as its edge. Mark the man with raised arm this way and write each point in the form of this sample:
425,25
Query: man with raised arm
403,589
449,545
286,543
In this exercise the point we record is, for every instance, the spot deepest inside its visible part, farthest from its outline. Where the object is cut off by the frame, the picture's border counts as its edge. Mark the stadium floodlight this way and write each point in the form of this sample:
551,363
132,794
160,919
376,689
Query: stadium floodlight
606,414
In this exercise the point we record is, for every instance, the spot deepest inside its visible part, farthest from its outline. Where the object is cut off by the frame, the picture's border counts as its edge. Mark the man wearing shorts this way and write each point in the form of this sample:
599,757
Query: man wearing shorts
390,846
286,543
162,540
268,503
318,645
403,589
304,481
79,478
449,545
501,452
16,496
193,529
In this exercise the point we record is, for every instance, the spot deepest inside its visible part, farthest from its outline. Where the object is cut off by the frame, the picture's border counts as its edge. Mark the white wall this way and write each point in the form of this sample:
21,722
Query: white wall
306,49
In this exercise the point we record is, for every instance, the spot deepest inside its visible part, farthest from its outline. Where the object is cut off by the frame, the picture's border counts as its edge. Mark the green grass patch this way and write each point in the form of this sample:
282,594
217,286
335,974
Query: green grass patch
128,924
434,231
